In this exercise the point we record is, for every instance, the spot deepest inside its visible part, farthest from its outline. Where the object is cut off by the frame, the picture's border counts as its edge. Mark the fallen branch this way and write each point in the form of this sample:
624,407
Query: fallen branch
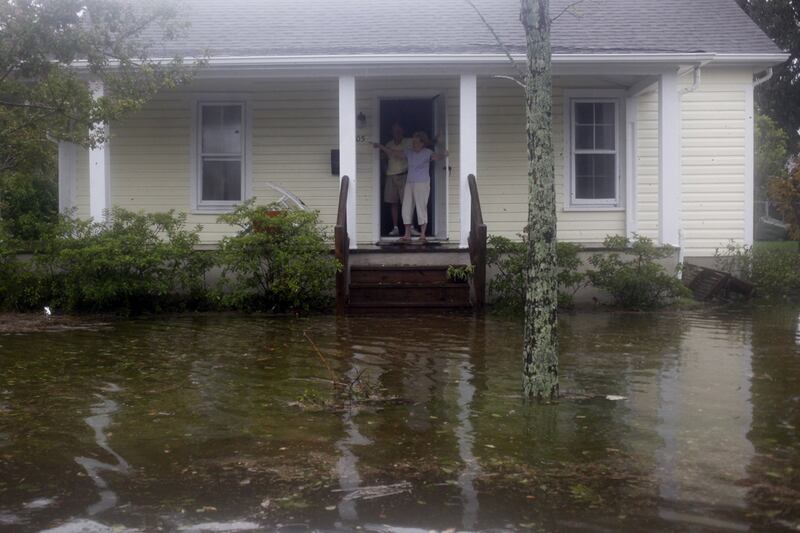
322,358
375,491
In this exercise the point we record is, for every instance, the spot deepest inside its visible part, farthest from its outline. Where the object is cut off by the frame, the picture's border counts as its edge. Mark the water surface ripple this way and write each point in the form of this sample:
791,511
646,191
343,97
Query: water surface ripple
232,423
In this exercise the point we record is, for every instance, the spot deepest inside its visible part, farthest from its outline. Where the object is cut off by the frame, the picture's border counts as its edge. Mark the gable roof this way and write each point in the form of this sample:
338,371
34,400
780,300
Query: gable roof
250,28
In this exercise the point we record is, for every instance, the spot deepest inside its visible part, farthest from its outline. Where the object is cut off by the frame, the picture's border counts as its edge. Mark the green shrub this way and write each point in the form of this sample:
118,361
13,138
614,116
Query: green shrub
509,259
132,263
637,281
774,268
460,273
279,260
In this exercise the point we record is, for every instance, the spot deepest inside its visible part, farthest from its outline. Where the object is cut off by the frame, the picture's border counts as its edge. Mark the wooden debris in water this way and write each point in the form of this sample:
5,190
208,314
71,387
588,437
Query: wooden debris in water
376,491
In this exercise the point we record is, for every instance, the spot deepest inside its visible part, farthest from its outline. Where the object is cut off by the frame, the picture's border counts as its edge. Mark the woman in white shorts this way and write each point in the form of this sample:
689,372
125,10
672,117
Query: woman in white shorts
418,181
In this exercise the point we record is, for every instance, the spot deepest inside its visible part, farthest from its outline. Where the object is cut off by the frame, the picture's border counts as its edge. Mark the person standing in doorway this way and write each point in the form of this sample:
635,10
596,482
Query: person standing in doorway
396,173
418,182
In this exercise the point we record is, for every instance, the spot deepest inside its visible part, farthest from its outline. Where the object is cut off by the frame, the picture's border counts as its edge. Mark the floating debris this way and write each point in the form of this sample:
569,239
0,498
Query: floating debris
376,491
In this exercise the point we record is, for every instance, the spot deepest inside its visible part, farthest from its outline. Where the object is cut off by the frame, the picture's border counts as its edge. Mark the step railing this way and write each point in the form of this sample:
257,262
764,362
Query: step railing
341,247
477,244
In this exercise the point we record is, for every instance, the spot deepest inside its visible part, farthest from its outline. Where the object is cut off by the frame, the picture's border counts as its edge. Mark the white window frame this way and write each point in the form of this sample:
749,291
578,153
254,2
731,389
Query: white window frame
572,97
198,205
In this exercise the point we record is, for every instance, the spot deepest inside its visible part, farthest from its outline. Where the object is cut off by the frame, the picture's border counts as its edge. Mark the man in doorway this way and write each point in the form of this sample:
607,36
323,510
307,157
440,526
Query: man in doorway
396,173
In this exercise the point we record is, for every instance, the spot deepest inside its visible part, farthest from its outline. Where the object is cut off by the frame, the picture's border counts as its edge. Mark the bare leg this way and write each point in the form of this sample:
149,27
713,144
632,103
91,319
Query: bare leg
422,229
395,214
407,236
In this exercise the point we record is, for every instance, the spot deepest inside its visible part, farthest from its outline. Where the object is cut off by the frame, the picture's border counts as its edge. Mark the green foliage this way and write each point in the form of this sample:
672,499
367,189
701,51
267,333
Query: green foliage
48,49
132,263
279,260
29,202
460,273
637,281
41,91
772,153
785,192
774,270
780,97
509,260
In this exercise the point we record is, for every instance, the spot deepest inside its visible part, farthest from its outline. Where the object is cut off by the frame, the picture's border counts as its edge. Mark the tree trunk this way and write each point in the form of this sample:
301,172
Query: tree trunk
540,371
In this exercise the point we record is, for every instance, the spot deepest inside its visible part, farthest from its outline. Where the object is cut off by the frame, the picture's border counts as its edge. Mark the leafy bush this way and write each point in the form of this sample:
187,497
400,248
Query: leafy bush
131,263
460,273
279,260
774,268
28,204
509,259
785,192
637,282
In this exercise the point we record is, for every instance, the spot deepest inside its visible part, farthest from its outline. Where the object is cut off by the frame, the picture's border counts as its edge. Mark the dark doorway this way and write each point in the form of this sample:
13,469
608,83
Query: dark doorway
414,115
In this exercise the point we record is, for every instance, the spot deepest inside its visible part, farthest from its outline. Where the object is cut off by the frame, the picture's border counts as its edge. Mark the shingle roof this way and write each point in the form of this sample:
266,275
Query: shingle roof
334,27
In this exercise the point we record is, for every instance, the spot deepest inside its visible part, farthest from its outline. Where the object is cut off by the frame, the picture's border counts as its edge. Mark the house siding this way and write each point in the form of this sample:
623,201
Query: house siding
713,161
503,165
646,160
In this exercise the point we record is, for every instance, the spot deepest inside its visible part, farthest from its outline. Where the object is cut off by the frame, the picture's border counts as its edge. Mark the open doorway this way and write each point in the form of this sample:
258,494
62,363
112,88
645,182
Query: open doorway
414,114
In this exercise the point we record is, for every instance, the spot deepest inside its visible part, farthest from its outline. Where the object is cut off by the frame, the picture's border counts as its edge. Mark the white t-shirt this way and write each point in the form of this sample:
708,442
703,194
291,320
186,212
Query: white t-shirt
397,165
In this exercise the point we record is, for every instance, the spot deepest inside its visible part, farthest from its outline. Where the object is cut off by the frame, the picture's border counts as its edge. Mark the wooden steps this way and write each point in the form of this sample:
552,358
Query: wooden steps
375,287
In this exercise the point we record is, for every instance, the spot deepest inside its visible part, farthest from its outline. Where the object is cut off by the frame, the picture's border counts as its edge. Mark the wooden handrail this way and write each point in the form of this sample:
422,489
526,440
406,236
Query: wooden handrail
341,247
477,244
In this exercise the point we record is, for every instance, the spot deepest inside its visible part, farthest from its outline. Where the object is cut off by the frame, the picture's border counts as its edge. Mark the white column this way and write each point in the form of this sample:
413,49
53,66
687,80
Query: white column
99,167
467,149
749,157
347,147
66,176
669,159
631,116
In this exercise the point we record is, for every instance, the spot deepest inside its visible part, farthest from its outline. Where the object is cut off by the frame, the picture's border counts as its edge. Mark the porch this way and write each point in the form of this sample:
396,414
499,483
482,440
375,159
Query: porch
302,134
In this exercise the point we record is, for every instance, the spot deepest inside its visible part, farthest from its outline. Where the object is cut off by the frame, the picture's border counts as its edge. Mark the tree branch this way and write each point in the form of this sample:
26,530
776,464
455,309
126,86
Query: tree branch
519,82
567,9
497,38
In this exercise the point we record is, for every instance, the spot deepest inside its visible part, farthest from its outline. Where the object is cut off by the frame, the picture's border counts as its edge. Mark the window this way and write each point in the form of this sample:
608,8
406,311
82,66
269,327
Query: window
594,153
221,155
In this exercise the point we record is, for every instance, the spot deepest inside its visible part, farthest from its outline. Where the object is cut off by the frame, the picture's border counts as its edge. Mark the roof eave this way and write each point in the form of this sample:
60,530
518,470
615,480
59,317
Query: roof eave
564,62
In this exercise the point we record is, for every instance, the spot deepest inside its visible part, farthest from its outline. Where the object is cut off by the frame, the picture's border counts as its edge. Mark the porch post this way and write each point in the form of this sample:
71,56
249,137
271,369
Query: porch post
468,150
669,159
347,148
99,167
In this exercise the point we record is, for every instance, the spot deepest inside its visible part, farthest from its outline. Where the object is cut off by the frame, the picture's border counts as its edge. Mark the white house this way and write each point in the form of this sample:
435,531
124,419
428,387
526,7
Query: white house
652,116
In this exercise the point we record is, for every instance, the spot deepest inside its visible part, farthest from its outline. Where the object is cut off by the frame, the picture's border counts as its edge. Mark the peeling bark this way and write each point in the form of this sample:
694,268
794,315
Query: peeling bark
540,370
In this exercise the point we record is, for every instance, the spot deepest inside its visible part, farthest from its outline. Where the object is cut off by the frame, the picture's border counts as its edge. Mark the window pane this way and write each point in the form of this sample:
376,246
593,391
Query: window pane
231,128
584,113
595,176
222,126
584,137
604,138
605,176
211,120
222,180
604,113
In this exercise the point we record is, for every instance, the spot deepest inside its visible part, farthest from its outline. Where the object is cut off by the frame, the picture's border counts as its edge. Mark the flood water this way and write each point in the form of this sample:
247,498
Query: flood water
231,423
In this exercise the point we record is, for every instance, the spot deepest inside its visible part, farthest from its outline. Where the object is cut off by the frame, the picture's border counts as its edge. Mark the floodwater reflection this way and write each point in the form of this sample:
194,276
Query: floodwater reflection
196,425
